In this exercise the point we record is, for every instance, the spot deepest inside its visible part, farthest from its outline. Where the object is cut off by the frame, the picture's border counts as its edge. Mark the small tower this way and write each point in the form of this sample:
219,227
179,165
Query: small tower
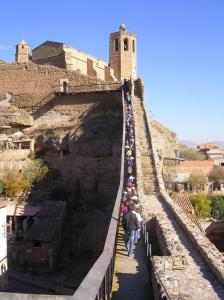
22,52
123,53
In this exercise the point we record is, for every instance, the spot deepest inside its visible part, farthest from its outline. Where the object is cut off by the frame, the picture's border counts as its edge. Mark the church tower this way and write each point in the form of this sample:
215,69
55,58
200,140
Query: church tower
123,53
22,52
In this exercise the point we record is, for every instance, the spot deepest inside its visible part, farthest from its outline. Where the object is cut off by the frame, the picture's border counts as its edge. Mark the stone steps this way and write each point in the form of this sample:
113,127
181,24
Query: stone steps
149,181
148,189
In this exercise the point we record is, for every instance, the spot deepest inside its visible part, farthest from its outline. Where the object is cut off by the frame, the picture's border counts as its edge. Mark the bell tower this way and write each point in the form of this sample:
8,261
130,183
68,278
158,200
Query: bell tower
123,53
22,52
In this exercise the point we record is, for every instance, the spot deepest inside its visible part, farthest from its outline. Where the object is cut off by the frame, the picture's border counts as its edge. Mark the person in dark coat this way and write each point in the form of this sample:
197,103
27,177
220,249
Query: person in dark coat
130,225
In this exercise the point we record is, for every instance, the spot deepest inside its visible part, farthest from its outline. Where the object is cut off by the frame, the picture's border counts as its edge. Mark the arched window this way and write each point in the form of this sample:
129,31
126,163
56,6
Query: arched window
116,45
133,46
125,44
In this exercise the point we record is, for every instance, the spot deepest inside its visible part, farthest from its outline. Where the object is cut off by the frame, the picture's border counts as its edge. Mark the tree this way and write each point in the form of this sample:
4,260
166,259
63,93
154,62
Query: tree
192,154
217,207
202,205
197,181
216,174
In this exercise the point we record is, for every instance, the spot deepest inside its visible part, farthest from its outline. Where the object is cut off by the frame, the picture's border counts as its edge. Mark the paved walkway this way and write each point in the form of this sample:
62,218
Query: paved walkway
131,277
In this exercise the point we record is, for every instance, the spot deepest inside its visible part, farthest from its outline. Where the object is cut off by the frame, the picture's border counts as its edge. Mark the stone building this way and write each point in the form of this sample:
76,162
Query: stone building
123,53
122,62
3,248
22,52
35,234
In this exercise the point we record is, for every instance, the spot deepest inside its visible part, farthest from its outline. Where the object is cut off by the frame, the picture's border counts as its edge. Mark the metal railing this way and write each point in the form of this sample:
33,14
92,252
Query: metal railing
90,87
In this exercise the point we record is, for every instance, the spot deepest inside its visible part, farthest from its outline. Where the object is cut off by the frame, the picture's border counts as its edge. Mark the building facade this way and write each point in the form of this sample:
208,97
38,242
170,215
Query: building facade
122,53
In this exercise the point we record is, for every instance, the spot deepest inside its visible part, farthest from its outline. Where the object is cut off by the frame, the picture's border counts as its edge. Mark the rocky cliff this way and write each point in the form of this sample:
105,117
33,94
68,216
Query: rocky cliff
166,140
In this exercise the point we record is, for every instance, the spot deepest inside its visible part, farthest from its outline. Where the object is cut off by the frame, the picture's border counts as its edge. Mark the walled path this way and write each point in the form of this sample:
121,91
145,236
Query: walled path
131,280
196,281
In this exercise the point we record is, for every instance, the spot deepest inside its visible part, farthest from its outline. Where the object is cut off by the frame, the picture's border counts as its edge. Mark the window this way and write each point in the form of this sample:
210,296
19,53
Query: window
22,47
125,44
116,44
133,46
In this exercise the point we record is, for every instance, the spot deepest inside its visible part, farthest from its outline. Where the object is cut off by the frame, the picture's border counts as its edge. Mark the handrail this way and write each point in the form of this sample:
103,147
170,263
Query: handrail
91,285
104,86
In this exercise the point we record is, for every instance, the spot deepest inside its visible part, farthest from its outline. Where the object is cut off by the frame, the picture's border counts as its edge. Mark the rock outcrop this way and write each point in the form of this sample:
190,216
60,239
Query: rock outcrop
15,117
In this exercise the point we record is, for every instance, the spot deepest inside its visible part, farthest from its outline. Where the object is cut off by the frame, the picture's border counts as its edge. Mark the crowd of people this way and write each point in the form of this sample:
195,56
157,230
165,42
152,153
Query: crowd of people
130,207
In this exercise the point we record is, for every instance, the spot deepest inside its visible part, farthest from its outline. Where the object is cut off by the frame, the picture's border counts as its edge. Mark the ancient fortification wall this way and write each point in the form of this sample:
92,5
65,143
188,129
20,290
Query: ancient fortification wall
79,134
36,80
208,251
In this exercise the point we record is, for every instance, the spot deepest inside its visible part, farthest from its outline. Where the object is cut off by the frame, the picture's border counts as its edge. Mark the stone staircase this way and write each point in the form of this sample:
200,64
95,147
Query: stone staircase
149,181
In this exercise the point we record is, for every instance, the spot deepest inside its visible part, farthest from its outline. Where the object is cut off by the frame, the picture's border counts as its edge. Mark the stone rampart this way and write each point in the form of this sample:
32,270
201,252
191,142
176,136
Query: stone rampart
208,251
37,81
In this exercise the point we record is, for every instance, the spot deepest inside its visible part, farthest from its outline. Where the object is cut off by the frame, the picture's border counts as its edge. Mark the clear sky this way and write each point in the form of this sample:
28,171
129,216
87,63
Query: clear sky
180,50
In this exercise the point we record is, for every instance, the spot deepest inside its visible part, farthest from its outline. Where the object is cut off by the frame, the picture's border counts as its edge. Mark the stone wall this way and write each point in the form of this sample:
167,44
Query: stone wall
80,135
208,251
35,81
64,56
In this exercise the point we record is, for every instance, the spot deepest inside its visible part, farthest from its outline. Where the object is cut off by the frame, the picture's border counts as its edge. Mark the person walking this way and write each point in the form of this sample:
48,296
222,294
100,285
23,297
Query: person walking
130,225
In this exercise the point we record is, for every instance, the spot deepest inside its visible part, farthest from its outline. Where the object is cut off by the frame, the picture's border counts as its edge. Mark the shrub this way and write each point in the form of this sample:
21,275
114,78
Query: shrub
15,184
202,205
217,207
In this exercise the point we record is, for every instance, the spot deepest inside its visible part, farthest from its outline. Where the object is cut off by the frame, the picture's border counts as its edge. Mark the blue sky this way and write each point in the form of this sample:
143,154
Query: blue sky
180,50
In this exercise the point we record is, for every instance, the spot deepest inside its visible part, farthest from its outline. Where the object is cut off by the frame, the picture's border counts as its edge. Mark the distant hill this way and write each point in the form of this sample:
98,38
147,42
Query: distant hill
189,144
220,143
194,145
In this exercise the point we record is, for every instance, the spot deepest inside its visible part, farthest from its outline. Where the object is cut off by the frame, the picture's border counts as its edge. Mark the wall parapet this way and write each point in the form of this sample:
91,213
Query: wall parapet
208,251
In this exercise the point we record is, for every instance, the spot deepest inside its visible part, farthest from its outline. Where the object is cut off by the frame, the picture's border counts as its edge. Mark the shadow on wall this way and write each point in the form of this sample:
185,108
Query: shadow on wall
88,155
